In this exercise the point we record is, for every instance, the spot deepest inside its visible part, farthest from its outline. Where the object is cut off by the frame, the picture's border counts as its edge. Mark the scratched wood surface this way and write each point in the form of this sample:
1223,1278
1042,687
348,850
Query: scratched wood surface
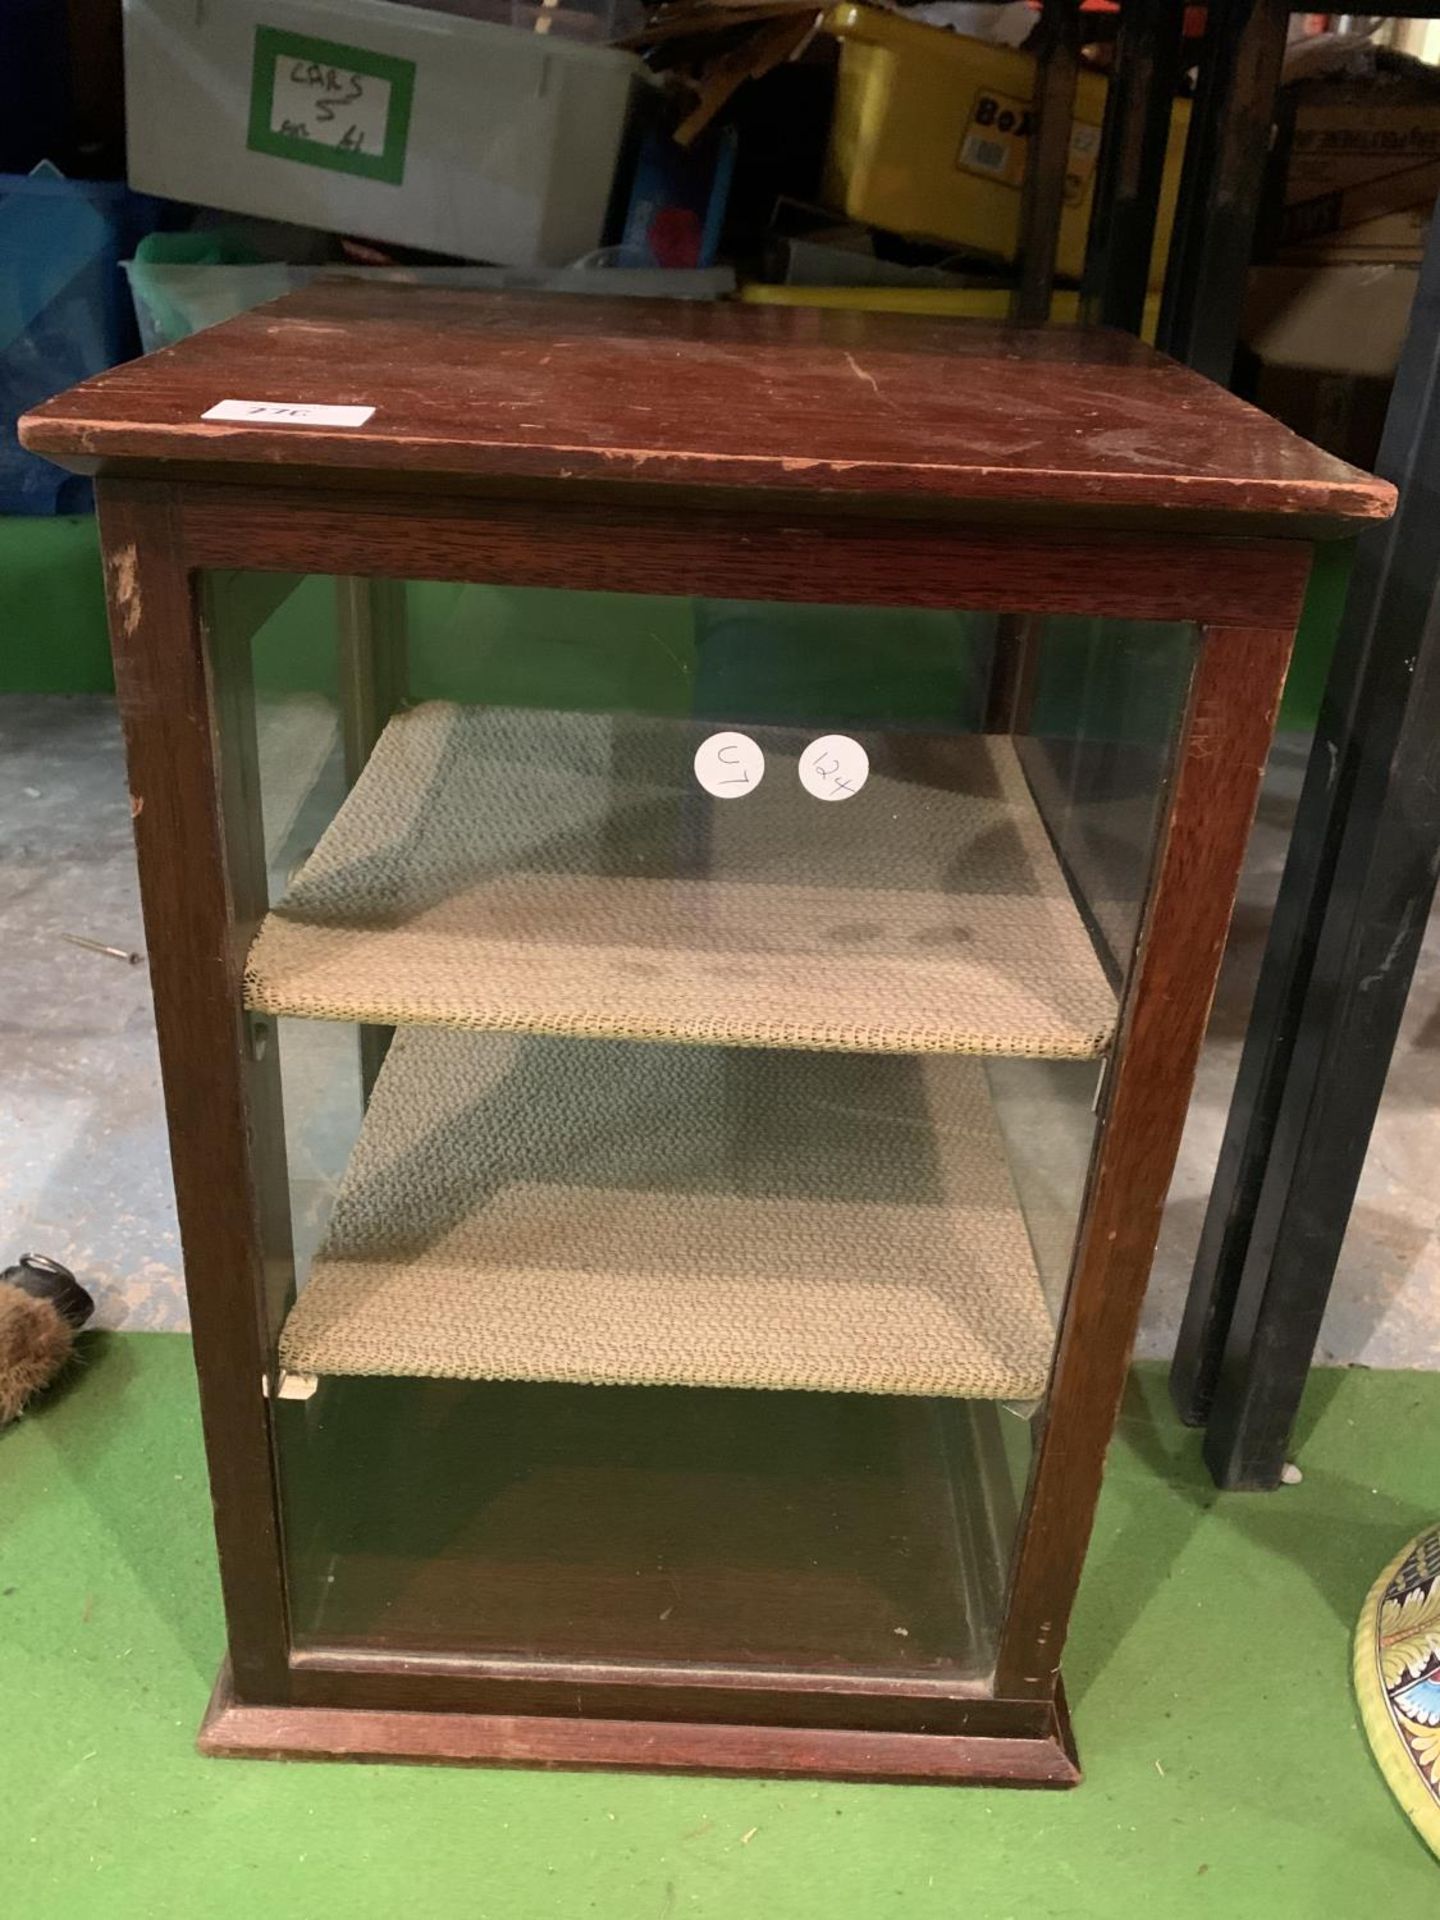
643,444
508,390
534,1740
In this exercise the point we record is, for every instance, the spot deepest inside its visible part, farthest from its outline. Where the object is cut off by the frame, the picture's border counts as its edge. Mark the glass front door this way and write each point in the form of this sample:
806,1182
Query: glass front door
691,1018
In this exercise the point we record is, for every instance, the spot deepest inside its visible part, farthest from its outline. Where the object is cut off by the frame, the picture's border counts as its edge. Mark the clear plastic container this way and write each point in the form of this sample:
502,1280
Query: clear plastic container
397,123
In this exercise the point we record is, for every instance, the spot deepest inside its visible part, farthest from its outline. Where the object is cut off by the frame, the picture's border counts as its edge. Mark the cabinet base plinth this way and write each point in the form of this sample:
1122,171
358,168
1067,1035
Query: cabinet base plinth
242,1730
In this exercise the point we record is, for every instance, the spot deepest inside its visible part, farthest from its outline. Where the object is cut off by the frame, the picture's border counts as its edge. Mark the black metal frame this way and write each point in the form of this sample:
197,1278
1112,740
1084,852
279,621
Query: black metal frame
1353,904
1361,872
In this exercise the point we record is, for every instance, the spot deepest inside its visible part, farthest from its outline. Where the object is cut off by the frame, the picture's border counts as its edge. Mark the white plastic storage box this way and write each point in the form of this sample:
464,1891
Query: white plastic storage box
387,121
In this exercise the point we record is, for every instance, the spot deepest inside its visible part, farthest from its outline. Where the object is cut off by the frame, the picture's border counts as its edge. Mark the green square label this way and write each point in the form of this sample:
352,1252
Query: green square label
329,105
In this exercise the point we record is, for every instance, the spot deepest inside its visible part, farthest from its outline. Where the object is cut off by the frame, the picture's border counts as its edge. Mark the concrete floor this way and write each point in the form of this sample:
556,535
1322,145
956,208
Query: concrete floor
84,1173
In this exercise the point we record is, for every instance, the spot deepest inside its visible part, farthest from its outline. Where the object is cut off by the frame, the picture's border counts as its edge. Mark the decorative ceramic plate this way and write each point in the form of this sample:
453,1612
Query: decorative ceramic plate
1397,1679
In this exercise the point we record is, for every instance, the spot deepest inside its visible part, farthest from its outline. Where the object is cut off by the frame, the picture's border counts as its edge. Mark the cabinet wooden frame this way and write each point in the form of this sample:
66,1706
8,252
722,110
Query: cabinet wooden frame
181,637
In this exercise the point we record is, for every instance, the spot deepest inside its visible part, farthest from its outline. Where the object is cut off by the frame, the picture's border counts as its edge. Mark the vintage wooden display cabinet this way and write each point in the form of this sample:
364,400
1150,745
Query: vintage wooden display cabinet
728,1027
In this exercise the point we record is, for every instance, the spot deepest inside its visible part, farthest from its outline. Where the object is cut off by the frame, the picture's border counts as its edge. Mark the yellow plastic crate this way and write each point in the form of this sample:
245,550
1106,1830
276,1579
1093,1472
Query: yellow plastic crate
930,135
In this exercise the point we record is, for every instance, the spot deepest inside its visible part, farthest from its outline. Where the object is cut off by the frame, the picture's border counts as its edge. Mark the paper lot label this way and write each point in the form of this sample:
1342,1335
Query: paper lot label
287,413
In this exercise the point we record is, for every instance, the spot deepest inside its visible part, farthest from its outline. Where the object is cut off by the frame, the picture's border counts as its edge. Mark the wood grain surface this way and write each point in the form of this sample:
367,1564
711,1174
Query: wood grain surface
741,453
348,1733
1233,701
624,547
660,1693
559,390
197,838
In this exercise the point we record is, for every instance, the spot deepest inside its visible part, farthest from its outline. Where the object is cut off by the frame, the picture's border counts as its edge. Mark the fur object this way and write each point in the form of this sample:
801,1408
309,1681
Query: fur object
35,1342
42,1307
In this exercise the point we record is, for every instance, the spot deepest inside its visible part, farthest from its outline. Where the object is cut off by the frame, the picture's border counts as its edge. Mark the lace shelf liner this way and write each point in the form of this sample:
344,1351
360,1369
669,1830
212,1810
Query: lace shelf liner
535,872
533,1208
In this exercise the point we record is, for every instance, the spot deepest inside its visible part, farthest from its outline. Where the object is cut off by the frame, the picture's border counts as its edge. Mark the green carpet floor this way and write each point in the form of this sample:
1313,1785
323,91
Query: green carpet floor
1226,1772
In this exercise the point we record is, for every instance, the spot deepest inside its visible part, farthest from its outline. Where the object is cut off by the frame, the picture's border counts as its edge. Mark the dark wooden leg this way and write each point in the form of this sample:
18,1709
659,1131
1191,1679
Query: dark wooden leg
1348,925
185,699
370,623
1233,699
1220,186
1043,194
1132,163
1265,1063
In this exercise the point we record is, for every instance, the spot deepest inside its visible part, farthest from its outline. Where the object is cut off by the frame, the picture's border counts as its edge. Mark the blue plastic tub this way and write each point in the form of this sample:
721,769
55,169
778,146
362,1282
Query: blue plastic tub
65,311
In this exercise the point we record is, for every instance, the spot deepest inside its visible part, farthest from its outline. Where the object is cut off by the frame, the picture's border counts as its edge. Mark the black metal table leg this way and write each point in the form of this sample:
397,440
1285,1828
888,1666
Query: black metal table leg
1351,915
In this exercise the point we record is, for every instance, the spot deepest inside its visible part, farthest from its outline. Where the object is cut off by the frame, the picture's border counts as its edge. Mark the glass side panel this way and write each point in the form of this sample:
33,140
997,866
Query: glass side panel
689,1020
1107,698
701,1526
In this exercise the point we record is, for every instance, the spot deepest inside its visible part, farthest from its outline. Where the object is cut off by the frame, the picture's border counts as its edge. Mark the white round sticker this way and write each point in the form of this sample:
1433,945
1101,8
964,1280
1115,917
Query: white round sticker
835,768
729,765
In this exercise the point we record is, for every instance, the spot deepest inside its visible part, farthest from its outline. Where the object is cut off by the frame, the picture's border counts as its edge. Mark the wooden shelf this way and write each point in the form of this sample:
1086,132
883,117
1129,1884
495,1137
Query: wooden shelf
538,1208
563,873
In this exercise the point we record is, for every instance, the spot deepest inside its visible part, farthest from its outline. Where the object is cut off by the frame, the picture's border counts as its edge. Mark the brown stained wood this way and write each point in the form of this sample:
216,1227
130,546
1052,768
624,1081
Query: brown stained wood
507,389
675,1747
865,1703
1233,701
627,549
735,453
1043,191
192,905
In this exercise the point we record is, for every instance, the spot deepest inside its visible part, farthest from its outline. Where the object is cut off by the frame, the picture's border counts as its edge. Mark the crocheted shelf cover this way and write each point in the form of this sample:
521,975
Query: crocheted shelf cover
563,873
533,1208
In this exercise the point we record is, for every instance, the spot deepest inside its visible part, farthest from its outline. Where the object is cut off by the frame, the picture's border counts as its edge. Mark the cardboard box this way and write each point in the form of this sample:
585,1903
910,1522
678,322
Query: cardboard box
364,117
1319,349
1357,164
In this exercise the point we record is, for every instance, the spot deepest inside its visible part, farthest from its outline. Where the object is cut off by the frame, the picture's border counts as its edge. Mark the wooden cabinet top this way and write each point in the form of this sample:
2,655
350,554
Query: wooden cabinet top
749,406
